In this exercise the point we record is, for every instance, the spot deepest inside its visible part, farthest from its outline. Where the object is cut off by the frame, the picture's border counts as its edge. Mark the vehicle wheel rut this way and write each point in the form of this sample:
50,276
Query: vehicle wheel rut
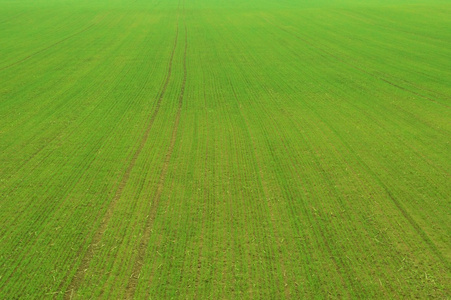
47,48
327,53
143,245
89,254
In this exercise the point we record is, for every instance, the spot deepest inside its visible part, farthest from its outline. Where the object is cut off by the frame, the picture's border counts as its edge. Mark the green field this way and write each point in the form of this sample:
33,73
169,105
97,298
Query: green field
224,149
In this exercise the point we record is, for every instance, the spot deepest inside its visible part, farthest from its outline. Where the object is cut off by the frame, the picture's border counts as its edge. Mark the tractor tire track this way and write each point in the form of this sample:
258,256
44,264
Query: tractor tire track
424,236
415,150
89,254
10,18
376,22
47,48
362,70
142,250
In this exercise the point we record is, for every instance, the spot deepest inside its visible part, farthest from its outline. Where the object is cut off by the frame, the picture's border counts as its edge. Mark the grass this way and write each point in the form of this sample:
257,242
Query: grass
225,149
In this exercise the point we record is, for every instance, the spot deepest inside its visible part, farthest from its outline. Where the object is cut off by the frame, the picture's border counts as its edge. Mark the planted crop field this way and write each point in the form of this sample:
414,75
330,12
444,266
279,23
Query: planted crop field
224,149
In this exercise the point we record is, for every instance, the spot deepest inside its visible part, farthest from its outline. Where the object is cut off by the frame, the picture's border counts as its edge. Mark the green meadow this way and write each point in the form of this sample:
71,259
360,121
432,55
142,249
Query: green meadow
223,149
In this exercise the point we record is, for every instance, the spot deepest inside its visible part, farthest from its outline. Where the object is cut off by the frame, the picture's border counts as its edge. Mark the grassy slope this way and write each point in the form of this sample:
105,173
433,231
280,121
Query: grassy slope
225,149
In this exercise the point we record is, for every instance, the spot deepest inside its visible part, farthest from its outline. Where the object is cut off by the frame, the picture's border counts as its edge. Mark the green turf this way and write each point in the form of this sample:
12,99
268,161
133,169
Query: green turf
213,149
